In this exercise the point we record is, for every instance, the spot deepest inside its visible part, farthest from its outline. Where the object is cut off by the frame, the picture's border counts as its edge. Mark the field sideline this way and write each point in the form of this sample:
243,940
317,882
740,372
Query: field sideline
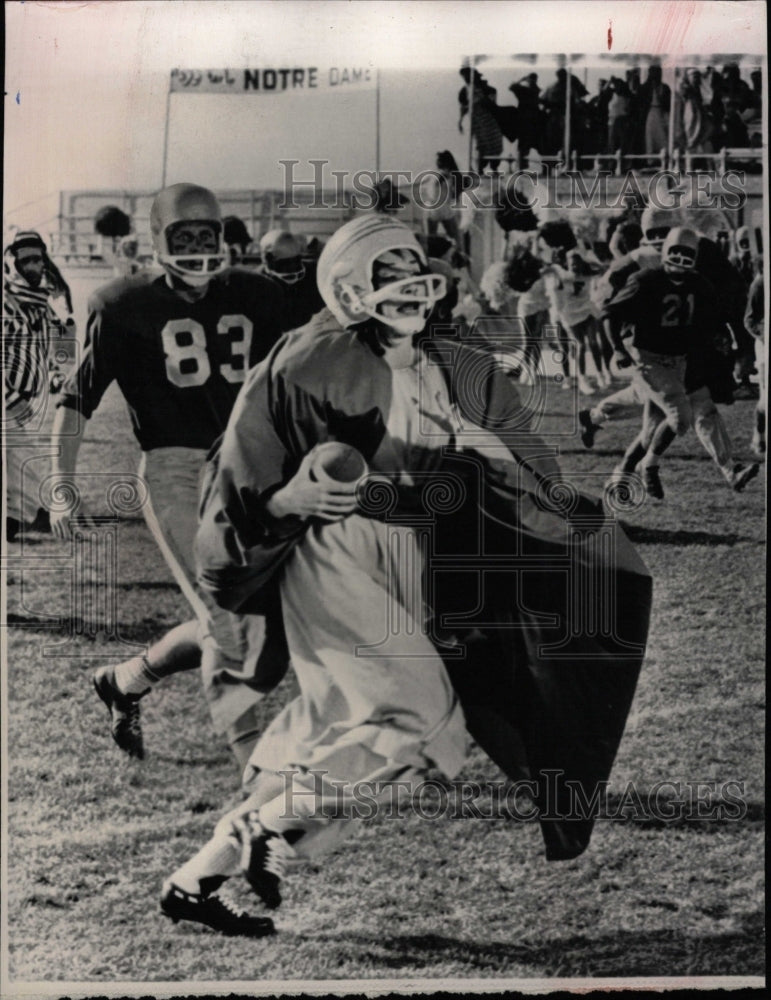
91,835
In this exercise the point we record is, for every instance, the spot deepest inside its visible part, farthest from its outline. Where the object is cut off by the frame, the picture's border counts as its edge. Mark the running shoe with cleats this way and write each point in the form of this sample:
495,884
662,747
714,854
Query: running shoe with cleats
588,429
212,911
742,475
264,858
126,727
652,482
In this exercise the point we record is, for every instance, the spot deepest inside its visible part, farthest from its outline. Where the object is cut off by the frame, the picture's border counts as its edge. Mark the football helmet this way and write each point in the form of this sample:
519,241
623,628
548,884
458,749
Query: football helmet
679,251
175,207
742,239
281,254
374,268
655,224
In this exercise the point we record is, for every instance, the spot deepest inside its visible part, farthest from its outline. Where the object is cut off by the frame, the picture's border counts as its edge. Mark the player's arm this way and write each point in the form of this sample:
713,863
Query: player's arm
619,310
80,397
242,536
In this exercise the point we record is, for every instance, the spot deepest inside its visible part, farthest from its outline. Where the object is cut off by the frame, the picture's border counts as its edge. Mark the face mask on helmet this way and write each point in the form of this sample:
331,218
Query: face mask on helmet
374,267
678,255
187,234
281,253
403,293
290,270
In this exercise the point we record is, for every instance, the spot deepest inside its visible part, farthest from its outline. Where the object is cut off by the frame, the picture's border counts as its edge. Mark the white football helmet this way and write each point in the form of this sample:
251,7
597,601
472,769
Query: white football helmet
173,207
656,223
281,254
359,275
678,254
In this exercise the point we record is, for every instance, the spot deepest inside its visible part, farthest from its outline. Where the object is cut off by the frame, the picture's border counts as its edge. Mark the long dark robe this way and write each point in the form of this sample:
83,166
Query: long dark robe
541,605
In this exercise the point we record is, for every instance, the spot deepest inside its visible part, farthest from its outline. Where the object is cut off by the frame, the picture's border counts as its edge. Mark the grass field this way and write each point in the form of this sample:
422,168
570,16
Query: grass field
91,835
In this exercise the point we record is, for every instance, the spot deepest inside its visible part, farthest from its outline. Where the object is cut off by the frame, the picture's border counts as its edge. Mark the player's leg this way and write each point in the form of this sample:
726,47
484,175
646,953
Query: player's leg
378,720
663,382
27,463
170,512
620,402
713,435
559,335
578,340
121,687
172,476
376,705
652,419
534,329
594,341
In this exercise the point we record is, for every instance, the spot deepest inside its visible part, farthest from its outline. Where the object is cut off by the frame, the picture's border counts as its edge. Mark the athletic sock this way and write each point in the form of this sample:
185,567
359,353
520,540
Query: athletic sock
217,859
662,439
135,676
632,456
176,651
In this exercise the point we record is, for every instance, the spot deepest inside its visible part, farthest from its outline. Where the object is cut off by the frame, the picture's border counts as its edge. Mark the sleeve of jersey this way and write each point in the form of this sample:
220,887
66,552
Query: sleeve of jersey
84,389
625,304
13,355
239,546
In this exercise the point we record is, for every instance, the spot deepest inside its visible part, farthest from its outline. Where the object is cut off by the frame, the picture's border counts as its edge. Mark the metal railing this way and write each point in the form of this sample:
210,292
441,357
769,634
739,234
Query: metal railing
687,162
311,213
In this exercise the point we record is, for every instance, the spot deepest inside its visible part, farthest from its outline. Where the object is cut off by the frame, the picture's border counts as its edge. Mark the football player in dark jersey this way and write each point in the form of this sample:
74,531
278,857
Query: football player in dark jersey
283,261
179,346
676,334
655,225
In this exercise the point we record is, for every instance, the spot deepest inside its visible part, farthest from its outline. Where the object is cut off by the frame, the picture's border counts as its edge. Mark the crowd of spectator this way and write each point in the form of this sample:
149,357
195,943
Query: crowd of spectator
715,109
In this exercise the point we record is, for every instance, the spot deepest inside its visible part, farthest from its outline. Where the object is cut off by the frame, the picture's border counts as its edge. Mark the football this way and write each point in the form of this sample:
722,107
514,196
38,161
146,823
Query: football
335,462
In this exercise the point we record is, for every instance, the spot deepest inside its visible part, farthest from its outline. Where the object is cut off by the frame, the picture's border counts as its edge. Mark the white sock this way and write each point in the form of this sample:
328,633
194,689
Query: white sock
135,676
220,856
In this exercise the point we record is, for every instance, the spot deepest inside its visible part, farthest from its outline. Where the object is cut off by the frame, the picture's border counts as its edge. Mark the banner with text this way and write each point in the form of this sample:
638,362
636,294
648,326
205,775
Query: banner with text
273,80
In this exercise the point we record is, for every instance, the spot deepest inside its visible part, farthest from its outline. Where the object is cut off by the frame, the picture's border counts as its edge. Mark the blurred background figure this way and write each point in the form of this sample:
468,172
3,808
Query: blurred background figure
283,261
388,199
236,238
29,324
597,119
655,103
742,257
484,124
127,257
112,224
620,122
696,127
530,118
555,103
440,195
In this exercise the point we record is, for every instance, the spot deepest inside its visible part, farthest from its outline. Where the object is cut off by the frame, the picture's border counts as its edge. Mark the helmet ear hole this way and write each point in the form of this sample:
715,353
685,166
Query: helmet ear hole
348,297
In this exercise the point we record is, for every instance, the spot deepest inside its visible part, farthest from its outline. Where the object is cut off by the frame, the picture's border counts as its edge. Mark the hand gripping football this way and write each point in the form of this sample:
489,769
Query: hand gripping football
335,463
